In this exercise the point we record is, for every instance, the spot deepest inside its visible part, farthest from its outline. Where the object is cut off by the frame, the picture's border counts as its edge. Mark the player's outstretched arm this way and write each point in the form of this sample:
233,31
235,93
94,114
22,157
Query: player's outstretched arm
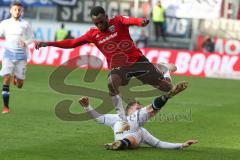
131,21
106,119
84,101
68,43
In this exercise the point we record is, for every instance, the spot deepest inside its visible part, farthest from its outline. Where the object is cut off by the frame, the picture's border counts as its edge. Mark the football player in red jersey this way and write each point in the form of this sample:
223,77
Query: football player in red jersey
111,36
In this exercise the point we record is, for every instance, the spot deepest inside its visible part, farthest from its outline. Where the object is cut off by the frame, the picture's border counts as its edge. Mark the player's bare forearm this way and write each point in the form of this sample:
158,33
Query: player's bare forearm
145,113
151,111
84,101
157,104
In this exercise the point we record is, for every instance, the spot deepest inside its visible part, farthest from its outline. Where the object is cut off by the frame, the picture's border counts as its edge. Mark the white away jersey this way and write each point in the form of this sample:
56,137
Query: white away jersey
136,120
14,32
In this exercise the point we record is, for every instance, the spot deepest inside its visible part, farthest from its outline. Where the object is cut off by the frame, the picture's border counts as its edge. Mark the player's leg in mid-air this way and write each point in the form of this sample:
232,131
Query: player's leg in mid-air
11,69
114,81
166,69
143,71
159,77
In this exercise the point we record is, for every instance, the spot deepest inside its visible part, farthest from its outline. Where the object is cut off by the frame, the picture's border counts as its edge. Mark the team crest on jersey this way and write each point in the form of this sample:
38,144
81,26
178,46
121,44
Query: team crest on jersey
111,28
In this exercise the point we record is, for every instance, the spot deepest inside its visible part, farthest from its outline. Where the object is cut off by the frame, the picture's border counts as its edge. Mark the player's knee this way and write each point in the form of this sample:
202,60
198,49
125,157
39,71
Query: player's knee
126,144
159,102
6,79
19,84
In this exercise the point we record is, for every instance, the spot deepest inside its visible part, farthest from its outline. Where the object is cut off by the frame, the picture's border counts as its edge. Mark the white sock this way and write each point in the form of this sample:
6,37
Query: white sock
117,102
154,142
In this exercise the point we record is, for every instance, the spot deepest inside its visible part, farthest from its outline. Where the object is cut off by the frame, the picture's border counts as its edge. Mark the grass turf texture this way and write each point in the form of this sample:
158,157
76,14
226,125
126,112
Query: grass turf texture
33,132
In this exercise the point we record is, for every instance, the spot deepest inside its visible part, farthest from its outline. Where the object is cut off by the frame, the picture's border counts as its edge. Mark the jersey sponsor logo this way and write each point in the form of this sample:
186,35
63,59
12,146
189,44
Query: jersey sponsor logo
126,16
112,28
108,38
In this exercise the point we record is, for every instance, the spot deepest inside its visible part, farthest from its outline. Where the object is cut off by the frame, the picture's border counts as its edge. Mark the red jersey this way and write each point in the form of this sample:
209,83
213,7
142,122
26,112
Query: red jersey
116,43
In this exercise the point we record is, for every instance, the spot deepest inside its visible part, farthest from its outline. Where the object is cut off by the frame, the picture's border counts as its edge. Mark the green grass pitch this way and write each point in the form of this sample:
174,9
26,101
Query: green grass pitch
208,111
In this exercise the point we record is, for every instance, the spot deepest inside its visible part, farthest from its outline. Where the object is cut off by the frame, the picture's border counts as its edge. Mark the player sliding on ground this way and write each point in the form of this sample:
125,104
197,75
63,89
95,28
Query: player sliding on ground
137,116
112,38
131,134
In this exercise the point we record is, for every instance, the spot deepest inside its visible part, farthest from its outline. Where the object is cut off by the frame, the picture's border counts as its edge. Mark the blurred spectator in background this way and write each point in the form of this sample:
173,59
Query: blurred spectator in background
158,18
208,45
142,40
61,33
69,35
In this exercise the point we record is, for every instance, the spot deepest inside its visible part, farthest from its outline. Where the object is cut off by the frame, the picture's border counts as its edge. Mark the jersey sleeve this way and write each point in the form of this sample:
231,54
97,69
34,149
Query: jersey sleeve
72,43
106,119
29,35
130,21
109,119
1,29
140,117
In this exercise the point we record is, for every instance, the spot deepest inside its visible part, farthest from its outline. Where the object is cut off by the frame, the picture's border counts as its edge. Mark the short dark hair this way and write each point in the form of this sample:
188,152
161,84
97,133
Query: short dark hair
95,11
16,3
130,104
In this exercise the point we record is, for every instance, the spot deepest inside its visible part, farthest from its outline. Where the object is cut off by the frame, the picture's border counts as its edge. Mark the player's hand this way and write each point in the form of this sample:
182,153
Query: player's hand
22,44
40,44
145,22
189,143
84,101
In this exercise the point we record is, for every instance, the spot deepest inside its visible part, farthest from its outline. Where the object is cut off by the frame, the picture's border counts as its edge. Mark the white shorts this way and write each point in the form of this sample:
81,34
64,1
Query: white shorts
16,67
137,135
